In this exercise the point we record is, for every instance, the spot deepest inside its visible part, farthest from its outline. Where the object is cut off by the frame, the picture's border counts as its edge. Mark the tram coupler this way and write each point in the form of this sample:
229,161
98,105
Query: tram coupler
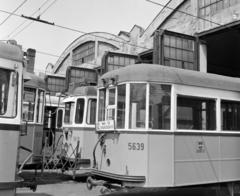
93,183
31,184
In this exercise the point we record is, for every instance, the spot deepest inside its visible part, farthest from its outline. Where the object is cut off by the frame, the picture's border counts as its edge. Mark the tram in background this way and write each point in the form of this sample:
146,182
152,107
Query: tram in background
166,127
30,153
11,88
80,115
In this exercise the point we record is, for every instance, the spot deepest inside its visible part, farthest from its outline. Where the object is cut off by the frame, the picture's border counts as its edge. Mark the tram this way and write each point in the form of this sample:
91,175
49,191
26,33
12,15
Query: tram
11,87
159,126
80,118
30,153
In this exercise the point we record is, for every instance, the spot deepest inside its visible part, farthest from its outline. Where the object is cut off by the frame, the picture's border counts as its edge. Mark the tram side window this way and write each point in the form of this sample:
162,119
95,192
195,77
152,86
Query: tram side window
101,105
4,88
111,104
79,111
69,108
121,106
29,104
91,112
159,106
137,113
230,115
40,102
59,118
196,113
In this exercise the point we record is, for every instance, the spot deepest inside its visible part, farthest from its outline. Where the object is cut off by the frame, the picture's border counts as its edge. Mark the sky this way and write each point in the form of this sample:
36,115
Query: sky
111,16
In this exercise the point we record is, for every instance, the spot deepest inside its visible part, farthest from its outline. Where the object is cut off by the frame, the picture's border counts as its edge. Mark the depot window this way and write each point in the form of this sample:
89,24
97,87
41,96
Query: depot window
79,111
230,115
207,7
159,106
195,113
84,53
29,96
69,109
175,50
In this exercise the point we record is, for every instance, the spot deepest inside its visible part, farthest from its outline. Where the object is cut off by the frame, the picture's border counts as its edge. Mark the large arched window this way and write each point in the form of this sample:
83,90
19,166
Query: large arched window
84,53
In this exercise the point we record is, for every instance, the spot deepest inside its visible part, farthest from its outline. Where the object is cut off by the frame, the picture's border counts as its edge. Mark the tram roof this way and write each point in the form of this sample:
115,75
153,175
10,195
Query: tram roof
53,101
9,51
35,82
164,74
85,90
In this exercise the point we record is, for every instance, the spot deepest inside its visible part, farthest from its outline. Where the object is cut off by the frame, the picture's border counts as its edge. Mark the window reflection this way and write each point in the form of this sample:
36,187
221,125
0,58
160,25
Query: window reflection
159,106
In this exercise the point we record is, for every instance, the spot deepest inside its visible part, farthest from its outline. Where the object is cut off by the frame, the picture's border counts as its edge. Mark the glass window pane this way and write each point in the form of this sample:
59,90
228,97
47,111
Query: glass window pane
166,40
185,44
196,113
230,115
213,8
101,105
179,64
111,96
179,54
207,2
172,41
121,106
219,5
116,60
137,116
172,63
172,53
91,111
207,10
166,52
40,101
59,118
69,108
167,62
179,42
233,2
202,12
121,60
159,106
79,111
29,96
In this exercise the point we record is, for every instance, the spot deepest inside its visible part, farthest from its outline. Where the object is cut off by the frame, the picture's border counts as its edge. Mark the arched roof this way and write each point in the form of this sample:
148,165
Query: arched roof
164,74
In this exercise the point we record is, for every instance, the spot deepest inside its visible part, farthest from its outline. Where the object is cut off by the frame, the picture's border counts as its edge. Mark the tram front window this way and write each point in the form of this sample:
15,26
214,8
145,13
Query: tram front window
137,113
69,108
28,104
159,106
8,93
196,113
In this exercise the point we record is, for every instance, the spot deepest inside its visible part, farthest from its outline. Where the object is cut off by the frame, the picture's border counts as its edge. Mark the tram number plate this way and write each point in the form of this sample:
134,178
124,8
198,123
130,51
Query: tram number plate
135,146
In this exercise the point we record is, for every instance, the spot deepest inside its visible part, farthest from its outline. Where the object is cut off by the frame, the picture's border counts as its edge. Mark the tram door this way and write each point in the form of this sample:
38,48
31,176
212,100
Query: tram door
32,112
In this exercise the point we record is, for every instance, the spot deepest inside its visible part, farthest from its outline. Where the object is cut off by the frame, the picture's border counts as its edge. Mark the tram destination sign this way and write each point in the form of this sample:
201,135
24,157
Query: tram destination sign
108,125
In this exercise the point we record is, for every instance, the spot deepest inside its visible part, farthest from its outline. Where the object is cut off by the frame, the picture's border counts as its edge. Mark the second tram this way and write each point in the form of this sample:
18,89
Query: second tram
160,126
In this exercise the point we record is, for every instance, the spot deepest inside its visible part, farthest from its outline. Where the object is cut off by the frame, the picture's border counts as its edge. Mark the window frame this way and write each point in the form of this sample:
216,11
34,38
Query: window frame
82,110
89,101
71,107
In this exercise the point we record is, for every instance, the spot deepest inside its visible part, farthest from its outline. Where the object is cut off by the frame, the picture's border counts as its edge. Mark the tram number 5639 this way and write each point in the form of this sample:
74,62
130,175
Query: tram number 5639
135,146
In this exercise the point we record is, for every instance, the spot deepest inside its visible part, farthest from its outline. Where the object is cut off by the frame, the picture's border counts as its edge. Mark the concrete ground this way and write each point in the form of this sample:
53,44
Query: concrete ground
54,184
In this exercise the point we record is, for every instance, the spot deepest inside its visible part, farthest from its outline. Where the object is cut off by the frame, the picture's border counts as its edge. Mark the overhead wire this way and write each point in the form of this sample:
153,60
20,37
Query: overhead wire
13,12
25,21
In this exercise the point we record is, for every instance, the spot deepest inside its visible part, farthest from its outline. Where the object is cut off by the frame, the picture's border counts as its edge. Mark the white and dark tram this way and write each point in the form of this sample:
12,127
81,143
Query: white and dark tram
11,126
160,126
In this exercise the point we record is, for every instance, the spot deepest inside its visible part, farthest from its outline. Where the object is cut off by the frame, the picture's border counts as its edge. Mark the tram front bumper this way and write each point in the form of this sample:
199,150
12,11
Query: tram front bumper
19,183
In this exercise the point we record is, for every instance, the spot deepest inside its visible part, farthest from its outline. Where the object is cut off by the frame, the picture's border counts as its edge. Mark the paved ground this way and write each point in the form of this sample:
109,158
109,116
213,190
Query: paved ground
53,184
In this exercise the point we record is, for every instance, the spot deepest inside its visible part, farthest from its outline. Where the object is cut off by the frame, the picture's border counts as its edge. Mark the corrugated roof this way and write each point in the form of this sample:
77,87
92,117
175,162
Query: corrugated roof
164,74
